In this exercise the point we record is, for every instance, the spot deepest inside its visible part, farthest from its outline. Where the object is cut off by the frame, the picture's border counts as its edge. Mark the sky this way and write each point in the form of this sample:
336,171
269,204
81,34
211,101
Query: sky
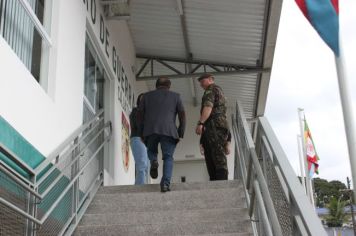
304,75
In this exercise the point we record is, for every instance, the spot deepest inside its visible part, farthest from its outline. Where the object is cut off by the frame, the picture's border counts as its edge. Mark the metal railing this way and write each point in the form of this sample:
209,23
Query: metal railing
276,200
22,27
60,189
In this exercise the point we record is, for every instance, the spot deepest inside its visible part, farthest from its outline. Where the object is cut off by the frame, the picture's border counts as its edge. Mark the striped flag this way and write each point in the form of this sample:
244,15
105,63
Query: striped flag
312,157
324,17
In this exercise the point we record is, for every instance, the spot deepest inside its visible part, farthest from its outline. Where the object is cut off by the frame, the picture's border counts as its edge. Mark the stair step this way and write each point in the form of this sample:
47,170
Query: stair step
186,228
223,234
175,200
174,186
162,217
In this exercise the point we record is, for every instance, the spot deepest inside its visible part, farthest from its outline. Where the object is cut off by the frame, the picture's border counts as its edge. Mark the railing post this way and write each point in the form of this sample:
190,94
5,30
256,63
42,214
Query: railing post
74,172
31,210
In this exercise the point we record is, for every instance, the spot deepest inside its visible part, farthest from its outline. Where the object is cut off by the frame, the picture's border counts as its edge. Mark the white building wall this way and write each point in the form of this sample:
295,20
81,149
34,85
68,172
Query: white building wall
46,118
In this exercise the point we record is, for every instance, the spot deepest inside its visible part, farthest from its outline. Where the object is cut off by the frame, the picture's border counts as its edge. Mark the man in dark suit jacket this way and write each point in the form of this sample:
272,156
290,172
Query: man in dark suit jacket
157,115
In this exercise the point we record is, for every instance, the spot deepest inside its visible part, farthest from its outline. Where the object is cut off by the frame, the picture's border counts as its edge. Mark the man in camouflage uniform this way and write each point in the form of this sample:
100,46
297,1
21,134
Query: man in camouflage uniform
213,128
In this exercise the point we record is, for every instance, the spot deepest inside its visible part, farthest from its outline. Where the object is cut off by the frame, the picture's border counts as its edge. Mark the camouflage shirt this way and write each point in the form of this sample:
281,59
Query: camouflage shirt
214,97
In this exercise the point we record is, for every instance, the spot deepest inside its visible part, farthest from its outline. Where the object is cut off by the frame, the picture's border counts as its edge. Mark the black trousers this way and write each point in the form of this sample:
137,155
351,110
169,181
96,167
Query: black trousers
213,143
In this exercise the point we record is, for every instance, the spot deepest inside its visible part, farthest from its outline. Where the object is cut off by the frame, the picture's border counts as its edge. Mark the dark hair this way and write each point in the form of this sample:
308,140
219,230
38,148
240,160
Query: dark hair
163,82
139,99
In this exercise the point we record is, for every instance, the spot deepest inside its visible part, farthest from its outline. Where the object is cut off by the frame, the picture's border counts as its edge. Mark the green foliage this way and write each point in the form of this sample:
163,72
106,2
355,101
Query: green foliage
337,216
326,190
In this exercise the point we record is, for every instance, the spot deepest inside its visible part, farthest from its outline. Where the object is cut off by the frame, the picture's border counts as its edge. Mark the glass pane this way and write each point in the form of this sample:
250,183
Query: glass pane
19,31
100,79
90,88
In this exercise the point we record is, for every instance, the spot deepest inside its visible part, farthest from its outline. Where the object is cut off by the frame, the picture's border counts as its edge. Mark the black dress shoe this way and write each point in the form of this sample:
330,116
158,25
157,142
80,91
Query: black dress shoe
154,169
165,188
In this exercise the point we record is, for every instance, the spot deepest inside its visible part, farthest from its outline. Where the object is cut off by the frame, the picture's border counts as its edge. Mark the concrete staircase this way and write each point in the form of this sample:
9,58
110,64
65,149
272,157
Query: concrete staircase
213,208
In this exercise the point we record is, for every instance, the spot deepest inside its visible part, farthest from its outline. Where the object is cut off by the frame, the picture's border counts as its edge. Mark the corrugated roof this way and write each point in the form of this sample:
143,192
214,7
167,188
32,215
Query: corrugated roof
241,32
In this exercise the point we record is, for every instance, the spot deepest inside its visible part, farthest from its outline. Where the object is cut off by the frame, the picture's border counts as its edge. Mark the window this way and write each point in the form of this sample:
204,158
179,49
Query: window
94,78
22,34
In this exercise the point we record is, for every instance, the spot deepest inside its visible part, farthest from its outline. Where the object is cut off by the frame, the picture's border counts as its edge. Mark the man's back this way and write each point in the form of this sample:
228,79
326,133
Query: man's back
160,108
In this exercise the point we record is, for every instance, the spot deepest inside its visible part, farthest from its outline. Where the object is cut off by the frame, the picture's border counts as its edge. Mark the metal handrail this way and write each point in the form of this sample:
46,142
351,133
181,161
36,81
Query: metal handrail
64,192
16,159
255,184
83,207
296,191
43,219
77,137
65,143
55,204
53,184
18,210
263,187
73,147
18,181
17,175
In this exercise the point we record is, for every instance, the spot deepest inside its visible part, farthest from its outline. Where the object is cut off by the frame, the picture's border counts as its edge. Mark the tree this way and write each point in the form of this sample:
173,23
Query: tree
326,190
337,215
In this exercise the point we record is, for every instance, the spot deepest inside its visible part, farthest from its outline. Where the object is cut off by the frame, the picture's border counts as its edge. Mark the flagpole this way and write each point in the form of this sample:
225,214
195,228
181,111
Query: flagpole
301,161
348,116
307,177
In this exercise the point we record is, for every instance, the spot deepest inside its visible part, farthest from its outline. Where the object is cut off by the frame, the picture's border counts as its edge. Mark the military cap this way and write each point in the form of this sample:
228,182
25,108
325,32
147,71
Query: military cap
204,76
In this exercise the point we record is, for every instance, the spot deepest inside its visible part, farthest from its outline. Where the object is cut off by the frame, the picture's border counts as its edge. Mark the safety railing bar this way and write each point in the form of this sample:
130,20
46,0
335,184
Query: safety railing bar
68,151
298,194
249,173
16,159
266,195
54,205
69,221
89,189
260,177
241,150
261,180
246,160
264,147
36,22
237,143
17,175
268,148
23,185
243,174
49,188
18,210
54,166
242,157
67,224
262,209
252,205
81,212
68,141
245,125
301,227
65,143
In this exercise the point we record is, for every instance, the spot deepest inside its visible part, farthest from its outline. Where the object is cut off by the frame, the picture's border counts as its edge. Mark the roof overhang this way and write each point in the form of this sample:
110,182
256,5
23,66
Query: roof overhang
232,39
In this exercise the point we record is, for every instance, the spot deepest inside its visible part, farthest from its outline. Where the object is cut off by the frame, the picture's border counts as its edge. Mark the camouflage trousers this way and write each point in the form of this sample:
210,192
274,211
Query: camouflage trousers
213,141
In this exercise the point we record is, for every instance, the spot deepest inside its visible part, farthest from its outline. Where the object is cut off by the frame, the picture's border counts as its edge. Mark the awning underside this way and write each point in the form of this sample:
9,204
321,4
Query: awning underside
184,38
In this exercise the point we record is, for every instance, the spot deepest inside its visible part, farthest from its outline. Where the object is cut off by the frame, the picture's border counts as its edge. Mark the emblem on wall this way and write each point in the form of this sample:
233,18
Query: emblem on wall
125,142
